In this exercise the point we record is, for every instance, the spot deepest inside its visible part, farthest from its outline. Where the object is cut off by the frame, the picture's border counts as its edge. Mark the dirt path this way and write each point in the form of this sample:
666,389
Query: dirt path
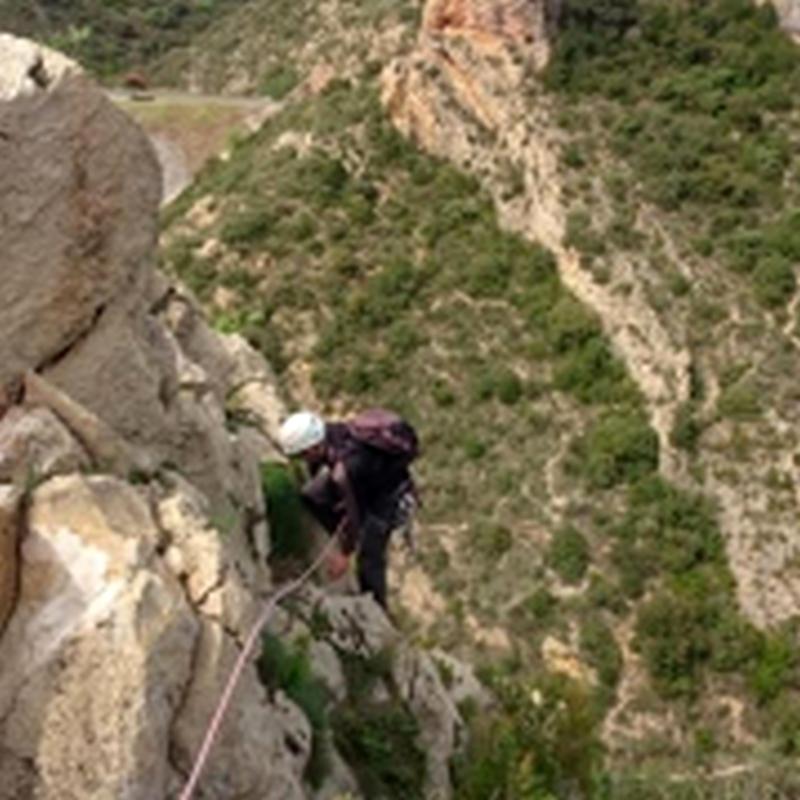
188,129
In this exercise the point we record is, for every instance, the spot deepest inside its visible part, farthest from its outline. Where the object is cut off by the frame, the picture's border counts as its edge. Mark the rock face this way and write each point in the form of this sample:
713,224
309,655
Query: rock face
101,643
492,25
122,605
80,298
469,104
26,69
480,106
789,13
77,220
132,537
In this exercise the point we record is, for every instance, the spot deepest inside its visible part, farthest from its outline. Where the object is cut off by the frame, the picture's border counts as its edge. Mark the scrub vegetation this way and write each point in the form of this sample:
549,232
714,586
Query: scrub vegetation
699,100
111,36
469,332
369,273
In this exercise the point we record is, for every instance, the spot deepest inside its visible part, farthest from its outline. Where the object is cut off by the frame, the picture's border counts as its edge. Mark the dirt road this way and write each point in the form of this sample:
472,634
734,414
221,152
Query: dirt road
188,129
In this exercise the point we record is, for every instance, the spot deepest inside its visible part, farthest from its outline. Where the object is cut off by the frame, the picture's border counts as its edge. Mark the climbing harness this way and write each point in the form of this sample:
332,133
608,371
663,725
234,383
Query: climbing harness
216,721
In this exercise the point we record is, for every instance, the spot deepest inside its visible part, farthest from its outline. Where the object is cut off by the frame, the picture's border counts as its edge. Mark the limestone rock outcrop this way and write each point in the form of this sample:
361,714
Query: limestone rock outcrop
96,656
789,13
123,596
133,536
483,108
81,303
26,69
492,25
473,106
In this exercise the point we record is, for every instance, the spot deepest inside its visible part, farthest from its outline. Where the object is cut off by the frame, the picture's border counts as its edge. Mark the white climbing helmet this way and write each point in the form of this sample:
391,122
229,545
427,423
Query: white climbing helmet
301,431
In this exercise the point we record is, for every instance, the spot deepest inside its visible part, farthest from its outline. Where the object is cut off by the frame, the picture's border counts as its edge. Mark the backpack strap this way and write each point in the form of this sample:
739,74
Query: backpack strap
350,527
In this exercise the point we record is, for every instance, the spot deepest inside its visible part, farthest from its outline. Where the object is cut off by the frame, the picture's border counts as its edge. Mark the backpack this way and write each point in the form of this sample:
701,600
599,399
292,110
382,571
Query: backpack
386,431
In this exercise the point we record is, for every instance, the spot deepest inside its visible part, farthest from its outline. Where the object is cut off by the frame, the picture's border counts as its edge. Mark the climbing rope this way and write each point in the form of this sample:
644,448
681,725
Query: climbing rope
216,721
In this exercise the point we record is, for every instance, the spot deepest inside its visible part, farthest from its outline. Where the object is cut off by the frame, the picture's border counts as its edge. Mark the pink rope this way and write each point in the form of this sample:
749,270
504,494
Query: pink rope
216,721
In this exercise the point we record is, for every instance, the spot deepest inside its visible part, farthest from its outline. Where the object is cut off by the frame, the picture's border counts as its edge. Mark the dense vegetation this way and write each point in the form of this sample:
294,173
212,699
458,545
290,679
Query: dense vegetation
382,275
376,733
270,47
110,36
462,327
699,100
288,668
468,331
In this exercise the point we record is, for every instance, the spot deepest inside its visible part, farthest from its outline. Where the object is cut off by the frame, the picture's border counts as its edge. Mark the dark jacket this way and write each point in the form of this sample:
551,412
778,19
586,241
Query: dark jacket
352,481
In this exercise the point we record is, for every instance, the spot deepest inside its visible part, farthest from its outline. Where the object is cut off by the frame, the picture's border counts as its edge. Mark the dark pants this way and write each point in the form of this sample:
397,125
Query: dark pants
375,534
373,540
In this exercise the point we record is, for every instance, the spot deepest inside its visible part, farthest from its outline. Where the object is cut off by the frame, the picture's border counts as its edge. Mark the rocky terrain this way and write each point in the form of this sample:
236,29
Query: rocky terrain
560,237
132,519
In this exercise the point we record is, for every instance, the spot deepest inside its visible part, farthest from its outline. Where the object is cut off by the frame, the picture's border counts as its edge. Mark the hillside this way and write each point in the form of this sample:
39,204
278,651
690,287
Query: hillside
604,399
562,238
111,37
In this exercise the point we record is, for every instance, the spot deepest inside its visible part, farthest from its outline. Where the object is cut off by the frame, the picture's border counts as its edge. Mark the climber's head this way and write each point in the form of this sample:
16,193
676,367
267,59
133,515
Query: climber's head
302,434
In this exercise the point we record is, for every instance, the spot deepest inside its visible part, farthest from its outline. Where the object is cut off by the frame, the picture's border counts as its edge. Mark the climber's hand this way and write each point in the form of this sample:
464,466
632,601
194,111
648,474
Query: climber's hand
338,564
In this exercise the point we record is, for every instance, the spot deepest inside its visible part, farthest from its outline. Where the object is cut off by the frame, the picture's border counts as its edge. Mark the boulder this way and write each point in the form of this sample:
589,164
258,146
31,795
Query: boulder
250,757
35,444
27,69
98,651
358,624
78,188
441,726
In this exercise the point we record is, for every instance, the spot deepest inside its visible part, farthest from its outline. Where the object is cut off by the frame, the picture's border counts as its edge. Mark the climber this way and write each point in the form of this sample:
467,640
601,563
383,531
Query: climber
360,488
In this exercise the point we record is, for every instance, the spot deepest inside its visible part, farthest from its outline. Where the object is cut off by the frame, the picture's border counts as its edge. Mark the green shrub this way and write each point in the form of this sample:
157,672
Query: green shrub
247,229
686,430
541,605
379,742
775,667
679,527
599,647
741,401
568,554
474,448
619,448
672,636
774,282
691,627
289,534
498,382
570,326
278,81
541,743
289,670
591,373
604,594
687,102
573,156
108,38
492,540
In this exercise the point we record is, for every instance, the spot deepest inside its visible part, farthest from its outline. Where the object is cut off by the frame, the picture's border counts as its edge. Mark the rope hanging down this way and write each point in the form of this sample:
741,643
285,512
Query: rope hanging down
216,721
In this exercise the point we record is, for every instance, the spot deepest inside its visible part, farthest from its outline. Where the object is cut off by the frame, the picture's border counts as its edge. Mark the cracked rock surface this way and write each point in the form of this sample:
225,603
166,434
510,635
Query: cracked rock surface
133,535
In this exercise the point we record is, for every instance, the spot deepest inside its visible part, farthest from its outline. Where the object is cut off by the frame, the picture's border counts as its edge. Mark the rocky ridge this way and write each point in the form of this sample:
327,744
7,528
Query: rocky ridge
789,12
131,515
484,109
